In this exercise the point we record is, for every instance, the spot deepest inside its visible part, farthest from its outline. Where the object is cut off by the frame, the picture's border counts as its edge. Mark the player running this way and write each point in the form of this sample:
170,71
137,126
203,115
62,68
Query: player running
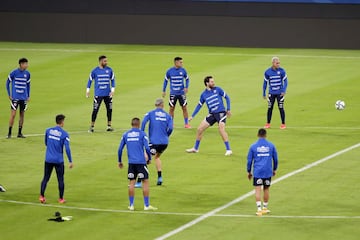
18,89
176,76
136,141
104,88
160,128
262,158
276,77
217,113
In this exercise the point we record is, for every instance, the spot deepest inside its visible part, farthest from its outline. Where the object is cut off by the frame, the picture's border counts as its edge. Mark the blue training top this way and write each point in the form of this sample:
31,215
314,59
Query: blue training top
104,81
160,126
55,140
213,98
263,156
20,84
176,78
135,141
277,80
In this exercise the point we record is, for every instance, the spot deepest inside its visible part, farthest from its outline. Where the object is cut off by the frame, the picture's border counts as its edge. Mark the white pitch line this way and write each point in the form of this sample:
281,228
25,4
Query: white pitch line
171,213
228,127
98,209
239,199
174,53
275,216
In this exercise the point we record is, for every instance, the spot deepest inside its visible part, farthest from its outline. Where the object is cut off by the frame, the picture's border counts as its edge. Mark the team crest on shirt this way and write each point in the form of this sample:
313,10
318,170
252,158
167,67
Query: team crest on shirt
107,71
25,75
214,91
278,72
181,73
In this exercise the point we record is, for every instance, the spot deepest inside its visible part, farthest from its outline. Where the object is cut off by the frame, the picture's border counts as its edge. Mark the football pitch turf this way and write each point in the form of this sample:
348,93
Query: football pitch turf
205,195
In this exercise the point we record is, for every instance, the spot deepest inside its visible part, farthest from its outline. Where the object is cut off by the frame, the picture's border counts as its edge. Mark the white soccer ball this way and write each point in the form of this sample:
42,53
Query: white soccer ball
340,105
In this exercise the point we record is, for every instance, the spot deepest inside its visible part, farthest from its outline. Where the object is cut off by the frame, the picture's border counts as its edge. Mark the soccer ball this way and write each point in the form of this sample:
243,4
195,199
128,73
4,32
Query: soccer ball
340,105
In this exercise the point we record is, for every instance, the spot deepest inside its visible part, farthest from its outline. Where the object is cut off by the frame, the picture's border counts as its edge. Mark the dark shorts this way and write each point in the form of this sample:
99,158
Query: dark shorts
216,117
99,99
174,98
139,171
266,182
157,148
16,103
271,100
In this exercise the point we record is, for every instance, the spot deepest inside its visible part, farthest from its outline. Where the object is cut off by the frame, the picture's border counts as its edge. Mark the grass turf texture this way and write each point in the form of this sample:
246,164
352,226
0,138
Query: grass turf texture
193,183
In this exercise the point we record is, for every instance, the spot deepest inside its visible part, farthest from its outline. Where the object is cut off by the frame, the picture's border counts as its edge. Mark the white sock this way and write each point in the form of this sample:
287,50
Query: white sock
265,204
258,204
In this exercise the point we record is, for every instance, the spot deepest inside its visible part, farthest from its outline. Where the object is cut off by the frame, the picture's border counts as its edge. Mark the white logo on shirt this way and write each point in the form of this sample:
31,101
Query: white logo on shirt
55,132
278,72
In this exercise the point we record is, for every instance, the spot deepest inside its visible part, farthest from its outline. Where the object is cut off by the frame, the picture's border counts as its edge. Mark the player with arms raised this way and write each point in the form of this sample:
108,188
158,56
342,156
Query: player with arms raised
217,113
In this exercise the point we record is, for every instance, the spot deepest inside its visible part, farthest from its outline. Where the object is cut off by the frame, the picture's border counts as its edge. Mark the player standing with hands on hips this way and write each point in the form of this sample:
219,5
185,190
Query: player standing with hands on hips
217,113
18,89
262,158
56,138
276,77
104,88
136,141
178,90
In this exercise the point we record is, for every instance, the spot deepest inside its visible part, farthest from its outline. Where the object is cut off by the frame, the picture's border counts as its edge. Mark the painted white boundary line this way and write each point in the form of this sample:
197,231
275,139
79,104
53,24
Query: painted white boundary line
171,213
239,199
228,127
174,53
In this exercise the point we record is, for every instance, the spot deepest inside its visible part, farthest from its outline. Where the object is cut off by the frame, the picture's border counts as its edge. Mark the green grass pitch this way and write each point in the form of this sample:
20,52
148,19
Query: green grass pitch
318,203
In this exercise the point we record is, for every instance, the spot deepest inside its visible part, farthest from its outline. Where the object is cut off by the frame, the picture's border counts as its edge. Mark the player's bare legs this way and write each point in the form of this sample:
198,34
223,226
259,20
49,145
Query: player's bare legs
12,118
222,132
171,111
258,200
266,194
225,138
186,116
21,119
199,134
158,162
146,194
146,190
131,188
266,200
201,129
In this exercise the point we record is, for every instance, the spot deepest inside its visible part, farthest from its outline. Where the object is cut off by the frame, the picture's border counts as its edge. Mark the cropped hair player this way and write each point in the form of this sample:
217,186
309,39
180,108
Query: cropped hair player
178,80
262,163
18,89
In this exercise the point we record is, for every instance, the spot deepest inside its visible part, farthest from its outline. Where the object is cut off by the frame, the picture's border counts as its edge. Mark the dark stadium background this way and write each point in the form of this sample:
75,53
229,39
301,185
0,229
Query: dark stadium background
171,22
